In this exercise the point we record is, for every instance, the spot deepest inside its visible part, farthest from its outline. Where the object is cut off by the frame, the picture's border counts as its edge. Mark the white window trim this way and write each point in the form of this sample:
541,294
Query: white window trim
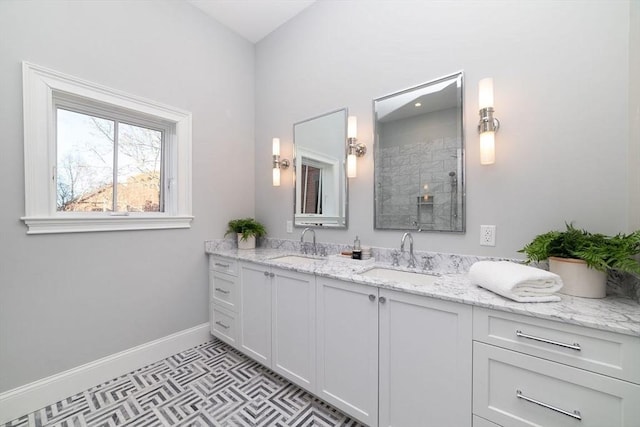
40,85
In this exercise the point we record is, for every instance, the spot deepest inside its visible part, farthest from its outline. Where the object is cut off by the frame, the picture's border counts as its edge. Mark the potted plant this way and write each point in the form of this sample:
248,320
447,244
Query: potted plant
246,229
582,259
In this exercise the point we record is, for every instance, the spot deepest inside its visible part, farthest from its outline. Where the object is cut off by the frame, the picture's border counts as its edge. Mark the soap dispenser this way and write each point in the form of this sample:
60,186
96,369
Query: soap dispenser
357,250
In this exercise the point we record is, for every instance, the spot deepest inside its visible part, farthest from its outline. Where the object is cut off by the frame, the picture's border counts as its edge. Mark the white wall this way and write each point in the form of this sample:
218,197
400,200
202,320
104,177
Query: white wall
70,299
634,117
561,73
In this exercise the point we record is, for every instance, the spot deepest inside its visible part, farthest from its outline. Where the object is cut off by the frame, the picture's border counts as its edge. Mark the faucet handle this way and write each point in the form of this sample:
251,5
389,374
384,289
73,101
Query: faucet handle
395,255
303,248
427,262
322,251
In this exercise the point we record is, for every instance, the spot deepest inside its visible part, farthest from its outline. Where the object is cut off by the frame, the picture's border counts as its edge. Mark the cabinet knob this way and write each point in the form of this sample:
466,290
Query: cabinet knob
382,300
272,275
372,297
266,273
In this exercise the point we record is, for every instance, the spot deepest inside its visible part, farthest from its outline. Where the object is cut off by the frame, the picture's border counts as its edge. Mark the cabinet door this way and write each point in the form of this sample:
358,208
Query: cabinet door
255,312
347,317
293,332
425,361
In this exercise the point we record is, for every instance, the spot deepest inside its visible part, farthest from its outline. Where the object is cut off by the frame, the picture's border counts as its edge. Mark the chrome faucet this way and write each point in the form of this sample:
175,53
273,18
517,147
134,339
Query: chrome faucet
303,248
412,258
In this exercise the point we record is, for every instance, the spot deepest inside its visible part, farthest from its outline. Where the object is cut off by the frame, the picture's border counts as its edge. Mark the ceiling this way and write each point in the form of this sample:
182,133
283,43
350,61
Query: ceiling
252,19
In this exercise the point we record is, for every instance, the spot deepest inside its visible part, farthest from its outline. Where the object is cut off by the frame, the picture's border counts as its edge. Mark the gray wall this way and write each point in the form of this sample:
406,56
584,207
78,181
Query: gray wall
561,76
69,299
634,117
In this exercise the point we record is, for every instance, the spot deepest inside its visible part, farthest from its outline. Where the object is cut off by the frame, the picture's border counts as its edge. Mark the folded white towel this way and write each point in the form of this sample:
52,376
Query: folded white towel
515,281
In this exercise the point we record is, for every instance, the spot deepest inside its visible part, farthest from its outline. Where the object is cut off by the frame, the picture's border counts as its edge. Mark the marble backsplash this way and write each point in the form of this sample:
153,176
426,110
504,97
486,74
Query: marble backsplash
618,283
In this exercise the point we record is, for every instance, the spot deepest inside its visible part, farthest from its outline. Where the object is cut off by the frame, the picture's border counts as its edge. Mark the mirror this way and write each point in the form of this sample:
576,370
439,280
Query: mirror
419,158
319,168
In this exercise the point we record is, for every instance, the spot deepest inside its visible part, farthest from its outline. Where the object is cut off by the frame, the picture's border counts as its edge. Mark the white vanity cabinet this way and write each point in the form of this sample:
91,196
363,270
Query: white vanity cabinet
425,361
293,321
529,371
255,312
223,299
390,358
347,325
277,321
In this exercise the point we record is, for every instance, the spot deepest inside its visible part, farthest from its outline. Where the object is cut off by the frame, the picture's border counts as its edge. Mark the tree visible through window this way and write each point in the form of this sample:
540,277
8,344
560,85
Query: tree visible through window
105,165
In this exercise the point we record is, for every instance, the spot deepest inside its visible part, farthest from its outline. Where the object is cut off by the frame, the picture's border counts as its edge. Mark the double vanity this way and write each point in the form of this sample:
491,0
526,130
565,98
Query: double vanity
392,346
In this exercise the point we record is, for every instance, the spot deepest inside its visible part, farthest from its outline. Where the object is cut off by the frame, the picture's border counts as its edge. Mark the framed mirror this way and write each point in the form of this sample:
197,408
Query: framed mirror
319,167
419,157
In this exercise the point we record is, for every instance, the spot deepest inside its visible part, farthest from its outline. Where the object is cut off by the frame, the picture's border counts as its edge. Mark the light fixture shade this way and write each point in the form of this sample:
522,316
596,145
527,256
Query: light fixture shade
352,127
276,177
485,93
352,171
487,148
276,146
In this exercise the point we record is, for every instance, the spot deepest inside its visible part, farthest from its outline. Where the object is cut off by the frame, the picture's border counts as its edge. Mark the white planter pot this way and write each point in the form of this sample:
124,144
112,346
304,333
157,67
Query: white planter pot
250,243
579,280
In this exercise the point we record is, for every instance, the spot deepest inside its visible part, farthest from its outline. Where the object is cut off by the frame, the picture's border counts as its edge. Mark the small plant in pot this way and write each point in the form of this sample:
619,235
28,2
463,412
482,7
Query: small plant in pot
247,229
582,259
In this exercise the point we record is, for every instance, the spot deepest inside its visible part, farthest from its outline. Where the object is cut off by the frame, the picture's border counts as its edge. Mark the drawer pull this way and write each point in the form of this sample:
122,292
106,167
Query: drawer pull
222,291
219,264
574,414
219,323
574,346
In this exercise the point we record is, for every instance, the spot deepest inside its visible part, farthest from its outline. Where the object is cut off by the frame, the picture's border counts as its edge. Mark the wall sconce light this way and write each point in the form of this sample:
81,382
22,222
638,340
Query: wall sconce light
354,148
488,125
277,163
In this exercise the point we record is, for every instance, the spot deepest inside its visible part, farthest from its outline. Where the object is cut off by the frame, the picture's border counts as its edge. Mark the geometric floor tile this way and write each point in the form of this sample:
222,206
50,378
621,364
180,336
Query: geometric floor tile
209,385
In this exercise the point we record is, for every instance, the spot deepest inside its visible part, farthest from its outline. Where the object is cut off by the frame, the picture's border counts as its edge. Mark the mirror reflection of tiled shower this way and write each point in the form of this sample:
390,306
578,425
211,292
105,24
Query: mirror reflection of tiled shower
418,158
421,186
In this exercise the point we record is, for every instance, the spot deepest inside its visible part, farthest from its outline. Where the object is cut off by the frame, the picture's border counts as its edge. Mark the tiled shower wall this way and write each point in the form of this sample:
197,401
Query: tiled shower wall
403,171
414,160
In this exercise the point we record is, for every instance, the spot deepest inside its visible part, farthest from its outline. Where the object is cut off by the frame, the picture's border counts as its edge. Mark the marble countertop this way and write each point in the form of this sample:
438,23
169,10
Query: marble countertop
613,313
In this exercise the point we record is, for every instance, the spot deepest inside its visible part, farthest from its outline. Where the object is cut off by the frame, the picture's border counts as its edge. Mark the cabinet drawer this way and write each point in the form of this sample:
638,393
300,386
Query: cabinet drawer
608,353
514,389
223,290
223,324
223,265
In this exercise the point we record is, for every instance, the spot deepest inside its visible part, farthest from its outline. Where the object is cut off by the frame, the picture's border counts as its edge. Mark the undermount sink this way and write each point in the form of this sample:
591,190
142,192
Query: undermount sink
295,259
401,276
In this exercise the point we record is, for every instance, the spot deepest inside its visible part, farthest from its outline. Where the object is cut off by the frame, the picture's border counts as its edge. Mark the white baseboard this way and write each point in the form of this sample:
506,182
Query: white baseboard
38,394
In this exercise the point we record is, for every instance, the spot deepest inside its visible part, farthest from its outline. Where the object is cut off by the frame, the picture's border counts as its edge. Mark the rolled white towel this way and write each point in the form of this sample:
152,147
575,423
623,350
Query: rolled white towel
515,281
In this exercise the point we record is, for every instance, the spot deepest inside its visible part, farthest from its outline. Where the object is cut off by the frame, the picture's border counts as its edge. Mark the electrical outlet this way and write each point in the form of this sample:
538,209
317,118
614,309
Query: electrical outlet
289,226
487,235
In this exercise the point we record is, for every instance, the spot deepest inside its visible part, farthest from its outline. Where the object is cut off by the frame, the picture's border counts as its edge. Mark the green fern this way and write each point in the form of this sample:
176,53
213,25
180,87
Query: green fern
247,227
600,252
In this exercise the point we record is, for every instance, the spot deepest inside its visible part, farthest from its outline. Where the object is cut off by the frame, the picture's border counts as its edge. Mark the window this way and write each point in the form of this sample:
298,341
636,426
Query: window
113,161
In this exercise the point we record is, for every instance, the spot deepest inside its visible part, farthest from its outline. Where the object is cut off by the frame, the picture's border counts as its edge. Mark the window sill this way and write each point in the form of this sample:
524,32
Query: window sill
76,224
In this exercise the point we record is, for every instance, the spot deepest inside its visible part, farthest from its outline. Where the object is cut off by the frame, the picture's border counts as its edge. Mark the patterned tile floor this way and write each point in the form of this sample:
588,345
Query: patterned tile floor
209,385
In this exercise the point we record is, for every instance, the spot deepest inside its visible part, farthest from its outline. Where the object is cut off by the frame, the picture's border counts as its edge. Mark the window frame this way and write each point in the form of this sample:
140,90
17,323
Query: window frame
43,91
